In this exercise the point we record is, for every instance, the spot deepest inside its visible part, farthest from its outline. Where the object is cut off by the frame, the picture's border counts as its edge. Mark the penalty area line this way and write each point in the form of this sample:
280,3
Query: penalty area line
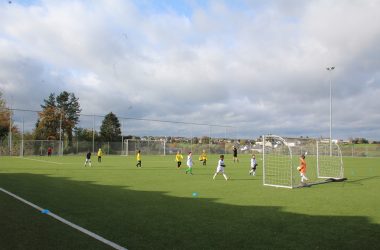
79,228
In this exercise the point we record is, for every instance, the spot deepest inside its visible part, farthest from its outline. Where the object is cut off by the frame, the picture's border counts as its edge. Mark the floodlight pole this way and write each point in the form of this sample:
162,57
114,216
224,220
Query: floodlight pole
330,69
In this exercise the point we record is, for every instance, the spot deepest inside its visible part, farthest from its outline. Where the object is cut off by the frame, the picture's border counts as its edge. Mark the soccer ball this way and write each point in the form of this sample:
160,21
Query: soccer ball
299,168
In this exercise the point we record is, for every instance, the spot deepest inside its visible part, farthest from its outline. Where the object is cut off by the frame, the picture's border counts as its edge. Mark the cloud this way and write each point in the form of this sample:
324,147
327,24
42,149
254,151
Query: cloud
256,66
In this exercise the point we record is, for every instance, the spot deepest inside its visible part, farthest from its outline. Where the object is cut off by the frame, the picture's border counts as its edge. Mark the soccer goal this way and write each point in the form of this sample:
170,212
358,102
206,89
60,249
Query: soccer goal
149,147
329,161
277,162
281,159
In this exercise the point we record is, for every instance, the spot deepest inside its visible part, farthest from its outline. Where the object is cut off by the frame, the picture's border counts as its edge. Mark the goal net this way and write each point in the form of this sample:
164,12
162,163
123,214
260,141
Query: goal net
330,163
148,147
281,159
277,162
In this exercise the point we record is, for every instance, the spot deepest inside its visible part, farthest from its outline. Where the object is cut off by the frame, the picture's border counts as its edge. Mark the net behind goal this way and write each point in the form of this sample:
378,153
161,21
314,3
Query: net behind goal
149,147
281,159
277,162
329,164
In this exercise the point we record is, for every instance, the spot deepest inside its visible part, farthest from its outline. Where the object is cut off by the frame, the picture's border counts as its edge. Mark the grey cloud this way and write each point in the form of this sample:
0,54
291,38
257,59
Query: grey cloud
259,67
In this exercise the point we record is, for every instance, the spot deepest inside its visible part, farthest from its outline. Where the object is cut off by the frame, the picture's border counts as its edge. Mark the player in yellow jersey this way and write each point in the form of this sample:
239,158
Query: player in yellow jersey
138,158
203,157
100,154
178,159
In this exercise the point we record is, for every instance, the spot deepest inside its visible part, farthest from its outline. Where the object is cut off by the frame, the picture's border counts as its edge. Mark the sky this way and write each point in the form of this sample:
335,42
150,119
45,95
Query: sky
258,67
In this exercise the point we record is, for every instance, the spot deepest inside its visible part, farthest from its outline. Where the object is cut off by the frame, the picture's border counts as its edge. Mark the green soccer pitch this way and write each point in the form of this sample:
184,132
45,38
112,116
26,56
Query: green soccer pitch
160,207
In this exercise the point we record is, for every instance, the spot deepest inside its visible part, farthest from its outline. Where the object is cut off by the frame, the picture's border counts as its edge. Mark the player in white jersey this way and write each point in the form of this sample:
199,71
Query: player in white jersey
253,166
220,168
189,163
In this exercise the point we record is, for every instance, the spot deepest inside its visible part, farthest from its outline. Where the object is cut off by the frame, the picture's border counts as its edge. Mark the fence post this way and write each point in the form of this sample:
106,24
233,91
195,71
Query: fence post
93,133
22,139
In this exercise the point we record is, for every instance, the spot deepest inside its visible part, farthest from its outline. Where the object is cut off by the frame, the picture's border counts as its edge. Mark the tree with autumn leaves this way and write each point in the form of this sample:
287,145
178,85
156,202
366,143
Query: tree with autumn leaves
61,111
5,119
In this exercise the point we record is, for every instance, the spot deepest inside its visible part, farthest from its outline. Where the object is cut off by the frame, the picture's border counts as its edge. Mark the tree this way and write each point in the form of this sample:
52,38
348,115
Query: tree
359,141
58,111
47,127
69,109
205,139
4,118
84,134
110,128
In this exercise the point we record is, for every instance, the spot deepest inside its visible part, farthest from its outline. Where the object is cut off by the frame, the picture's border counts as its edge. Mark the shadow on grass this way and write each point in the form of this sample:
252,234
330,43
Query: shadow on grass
154,220
364,179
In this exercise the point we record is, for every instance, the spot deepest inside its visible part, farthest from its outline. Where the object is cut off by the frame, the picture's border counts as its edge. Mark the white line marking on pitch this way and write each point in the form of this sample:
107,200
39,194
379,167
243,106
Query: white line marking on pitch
31,159
83,230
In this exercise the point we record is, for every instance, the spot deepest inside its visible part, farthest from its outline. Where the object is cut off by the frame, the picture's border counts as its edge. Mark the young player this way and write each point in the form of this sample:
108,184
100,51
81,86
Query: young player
88,159
138,158
100,154
203,157
220,168
49,151
236,159
178,159
253,166
302,169
189,163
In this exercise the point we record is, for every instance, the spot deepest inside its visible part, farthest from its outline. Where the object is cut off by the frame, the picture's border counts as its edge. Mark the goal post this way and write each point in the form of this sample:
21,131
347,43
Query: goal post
277,162
329,161
148,147
281,159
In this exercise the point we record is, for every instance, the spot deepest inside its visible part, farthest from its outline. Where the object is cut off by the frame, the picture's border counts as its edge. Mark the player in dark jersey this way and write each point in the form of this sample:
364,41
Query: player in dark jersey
236,159
88,159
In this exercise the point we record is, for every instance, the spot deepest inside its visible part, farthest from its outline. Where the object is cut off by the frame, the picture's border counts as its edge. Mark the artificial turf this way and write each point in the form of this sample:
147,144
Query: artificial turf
161,207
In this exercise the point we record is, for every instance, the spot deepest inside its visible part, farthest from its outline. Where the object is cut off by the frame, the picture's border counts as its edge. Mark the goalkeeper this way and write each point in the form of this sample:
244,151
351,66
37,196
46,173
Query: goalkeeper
220,168
302,169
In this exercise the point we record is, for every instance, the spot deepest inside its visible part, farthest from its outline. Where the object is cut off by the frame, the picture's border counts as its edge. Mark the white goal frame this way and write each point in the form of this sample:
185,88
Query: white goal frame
279,164
329,161
280,167
146,146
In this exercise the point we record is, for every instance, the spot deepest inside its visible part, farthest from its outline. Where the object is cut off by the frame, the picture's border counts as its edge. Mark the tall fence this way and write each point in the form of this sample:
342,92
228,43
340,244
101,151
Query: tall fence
158,147
192,136
127,147
221,138
360,150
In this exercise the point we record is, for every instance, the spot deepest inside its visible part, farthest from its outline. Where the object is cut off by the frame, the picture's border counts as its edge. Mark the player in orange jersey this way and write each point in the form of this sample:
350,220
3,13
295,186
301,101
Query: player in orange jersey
302,169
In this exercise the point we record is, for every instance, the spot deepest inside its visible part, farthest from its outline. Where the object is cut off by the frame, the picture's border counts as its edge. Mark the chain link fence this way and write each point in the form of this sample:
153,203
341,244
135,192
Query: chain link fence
127,147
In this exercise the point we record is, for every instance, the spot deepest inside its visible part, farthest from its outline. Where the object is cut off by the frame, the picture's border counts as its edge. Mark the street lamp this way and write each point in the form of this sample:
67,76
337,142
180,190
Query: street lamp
330,69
